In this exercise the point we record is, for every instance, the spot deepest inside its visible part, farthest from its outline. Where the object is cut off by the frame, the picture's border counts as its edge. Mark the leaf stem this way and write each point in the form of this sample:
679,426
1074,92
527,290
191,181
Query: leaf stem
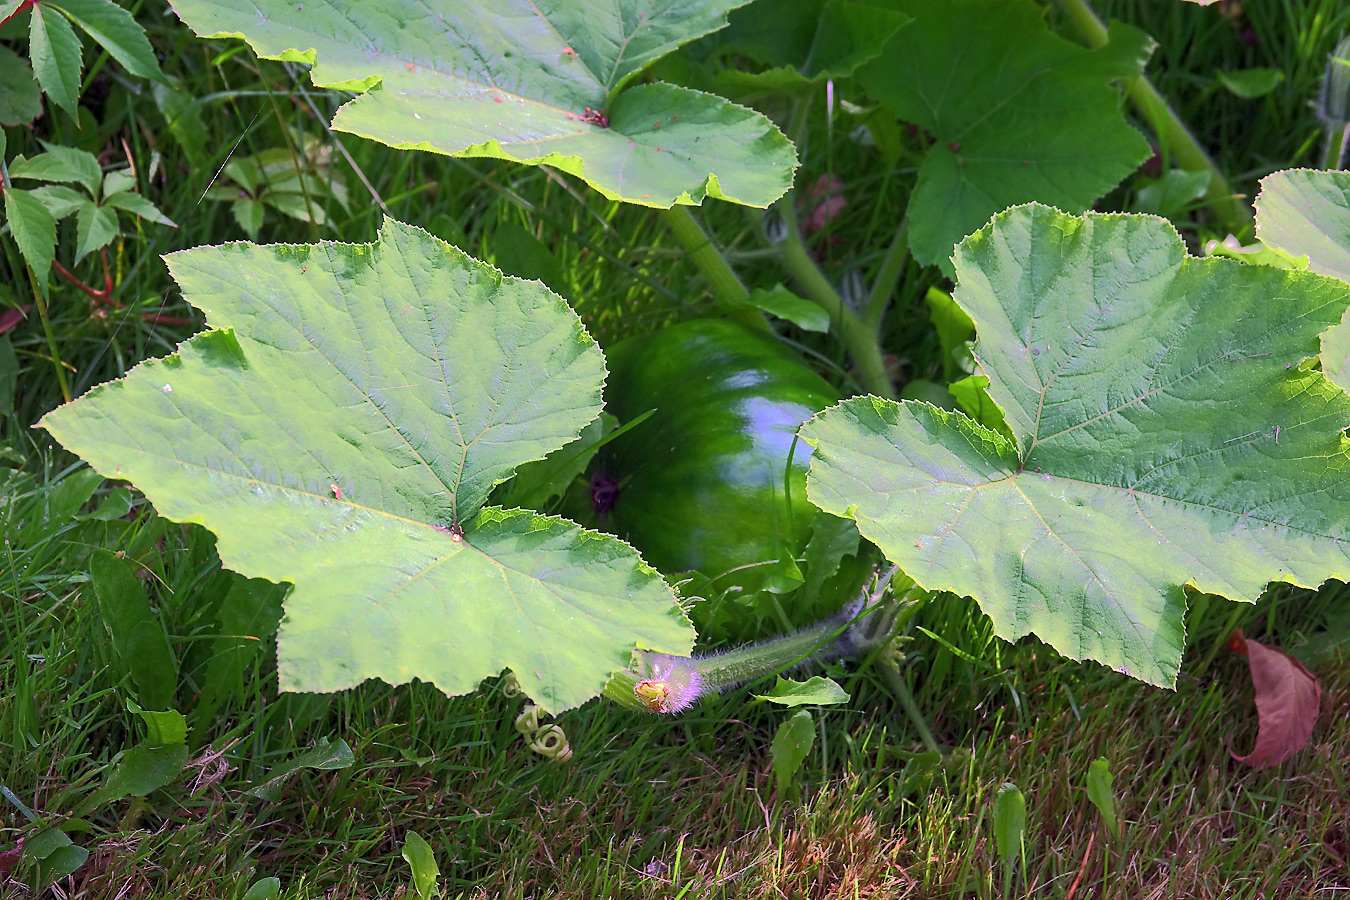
896,682
1235,215
41,299
888,277
857,337
726,286
1338,136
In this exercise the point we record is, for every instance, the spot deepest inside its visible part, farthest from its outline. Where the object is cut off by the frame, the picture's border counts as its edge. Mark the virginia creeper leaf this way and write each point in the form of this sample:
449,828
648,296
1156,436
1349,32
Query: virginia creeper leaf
1287,701
352,405
1307,213
513,79
95,226
56,57
33,228
1016,113
117,32
1163,433
20,96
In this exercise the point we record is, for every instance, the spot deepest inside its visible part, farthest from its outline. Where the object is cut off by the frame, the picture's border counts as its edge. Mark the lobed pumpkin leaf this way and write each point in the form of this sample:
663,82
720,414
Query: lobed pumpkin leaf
1163,432
1016,113
1307,213
342,422
533,82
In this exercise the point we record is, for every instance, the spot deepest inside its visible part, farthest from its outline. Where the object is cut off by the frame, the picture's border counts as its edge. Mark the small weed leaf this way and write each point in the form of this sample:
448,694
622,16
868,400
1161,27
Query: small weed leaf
568,104
1163,432
422,860
263,889
416,379
323,756
1287,701
815,691
1099,792
1010,821
791,743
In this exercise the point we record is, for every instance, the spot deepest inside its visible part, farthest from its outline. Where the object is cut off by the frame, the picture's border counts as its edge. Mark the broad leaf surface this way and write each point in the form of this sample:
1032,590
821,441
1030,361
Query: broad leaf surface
805,42
512,79
1016,113
20,97
1165,433
1307,213
352,403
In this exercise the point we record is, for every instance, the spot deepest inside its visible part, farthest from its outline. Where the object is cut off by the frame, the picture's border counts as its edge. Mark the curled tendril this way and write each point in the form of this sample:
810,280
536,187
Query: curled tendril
546,740
550,741
510,685
527,723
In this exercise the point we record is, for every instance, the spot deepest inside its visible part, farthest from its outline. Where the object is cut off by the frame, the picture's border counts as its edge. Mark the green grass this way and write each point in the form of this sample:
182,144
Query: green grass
649,807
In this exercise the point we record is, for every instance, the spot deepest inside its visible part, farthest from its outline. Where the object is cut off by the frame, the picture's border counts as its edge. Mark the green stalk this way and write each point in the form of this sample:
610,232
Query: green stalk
860,340
888,277
896,682
726,287
1338,135
41,299
1234,214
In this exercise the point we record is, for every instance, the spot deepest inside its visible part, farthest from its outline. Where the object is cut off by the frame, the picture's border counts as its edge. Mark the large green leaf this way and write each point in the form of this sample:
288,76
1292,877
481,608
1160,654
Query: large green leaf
348,413
513,79
1015,112
1307,213
1166,433
804,42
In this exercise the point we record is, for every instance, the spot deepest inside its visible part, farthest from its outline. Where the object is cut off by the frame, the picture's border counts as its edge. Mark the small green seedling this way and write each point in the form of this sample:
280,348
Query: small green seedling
1010,822
790,746
1099,792
263,889
420,857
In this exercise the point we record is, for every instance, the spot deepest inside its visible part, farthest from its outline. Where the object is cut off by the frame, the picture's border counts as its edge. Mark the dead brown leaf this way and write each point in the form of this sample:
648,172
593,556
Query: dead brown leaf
1287,700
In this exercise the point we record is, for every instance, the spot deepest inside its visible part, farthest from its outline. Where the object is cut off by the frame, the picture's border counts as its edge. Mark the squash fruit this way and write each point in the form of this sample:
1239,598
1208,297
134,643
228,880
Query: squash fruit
699,486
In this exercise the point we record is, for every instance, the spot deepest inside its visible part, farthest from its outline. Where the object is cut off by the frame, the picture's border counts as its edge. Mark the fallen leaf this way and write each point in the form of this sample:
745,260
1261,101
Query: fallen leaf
13,316
1287,698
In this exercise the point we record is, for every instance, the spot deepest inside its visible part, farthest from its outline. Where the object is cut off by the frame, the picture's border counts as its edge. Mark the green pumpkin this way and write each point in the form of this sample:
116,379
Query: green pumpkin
699,486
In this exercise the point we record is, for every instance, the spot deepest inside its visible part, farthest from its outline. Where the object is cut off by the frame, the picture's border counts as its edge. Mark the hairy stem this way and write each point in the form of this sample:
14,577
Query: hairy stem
860,340
726,286
1338,136
1235,215
888,277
